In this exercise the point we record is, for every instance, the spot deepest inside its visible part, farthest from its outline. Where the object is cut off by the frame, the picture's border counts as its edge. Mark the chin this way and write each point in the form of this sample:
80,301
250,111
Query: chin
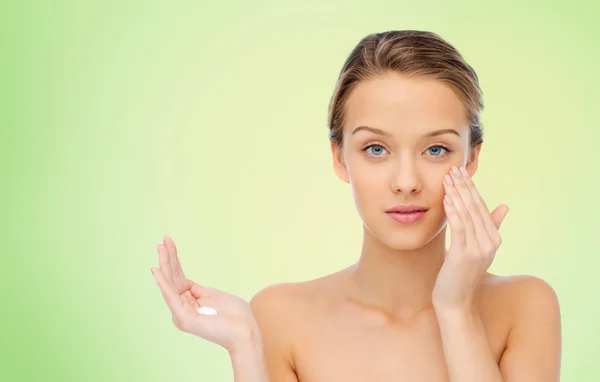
405,241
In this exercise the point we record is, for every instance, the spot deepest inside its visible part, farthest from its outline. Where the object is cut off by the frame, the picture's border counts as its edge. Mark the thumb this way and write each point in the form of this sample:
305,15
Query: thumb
196,290
499,214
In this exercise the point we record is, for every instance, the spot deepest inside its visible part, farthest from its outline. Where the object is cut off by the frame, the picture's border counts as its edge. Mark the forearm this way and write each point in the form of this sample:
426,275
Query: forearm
249,364
466,350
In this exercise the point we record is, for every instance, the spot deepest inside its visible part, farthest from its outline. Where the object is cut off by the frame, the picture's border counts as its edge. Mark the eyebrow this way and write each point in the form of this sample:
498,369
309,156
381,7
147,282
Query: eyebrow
385,133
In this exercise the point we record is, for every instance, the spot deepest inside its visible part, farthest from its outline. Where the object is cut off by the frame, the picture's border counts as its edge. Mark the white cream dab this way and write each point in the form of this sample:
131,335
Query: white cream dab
206,310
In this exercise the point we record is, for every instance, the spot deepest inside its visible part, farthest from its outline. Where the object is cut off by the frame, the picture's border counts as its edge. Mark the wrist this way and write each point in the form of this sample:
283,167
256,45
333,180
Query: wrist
454,321
455,314
247,345
249,362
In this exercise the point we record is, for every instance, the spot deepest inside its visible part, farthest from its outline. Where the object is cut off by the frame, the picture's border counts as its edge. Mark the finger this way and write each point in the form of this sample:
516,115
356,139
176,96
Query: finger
462,212
464,190
164,262
499,214
457,229
485,229
171,297
482,242
176,269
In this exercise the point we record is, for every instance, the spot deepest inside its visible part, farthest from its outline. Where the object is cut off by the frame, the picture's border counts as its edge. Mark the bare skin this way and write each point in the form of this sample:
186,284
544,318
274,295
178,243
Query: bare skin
321,330
409,309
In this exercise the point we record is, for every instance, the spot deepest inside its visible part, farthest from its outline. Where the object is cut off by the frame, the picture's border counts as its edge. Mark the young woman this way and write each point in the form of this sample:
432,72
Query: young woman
405,134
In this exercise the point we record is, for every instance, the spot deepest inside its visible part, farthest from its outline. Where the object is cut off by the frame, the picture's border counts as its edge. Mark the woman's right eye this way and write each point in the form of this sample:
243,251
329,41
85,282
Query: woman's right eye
376,149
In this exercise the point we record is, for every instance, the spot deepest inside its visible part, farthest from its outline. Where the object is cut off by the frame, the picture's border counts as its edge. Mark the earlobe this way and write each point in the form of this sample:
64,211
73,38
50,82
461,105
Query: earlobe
473,160
339,167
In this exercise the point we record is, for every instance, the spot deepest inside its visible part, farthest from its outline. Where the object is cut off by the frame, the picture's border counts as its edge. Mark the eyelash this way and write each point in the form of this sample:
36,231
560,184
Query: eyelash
448,149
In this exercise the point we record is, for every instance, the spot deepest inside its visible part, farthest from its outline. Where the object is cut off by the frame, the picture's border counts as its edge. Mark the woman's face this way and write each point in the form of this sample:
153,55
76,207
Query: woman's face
401,136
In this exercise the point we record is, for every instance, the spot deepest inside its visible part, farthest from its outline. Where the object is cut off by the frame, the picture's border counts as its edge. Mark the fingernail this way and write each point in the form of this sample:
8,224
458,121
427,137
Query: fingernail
164,240
464,171
455,171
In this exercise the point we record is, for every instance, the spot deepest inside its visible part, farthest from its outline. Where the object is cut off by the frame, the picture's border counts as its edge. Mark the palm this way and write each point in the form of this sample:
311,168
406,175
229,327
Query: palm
189,303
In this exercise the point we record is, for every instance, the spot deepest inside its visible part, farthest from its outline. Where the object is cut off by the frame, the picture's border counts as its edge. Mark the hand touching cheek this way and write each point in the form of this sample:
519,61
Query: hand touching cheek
474,242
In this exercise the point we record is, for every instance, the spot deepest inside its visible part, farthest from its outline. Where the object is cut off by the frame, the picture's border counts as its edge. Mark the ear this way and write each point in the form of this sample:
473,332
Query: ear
473,160
339,166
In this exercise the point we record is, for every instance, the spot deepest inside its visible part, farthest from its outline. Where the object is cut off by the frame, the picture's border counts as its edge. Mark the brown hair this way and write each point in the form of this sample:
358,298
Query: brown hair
410,53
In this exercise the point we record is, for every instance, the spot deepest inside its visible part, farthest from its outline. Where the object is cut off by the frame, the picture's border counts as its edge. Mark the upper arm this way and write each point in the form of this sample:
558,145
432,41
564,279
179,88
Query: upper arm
271,313
533,349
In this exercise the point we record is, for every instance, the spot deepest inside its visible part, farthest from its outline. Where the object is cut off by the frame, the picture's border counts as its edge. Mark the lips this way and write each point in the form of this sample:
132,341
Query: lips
407,213
407,217
407,208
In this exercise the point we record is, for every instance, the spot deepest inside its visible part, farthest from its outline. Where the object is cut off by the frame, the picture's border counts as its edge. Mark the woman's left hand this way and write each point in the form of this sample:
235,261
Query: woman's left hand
474,242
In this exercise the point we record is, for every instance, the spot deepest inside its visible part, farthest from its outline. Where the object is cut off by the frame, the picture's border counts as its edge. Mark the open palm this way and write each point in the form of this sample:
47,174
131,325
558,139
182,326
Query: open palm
234,322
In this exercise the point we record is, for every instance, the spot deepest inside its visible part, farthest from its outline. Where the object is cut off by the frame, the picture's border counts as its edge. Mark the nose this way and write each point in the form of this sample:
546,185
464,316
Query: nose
405,178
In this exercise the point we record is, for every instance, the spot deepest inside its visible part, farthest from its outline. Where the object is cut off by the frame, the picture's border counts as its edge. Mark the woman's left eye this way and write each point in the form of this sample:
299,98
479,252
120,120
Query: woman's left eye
435,150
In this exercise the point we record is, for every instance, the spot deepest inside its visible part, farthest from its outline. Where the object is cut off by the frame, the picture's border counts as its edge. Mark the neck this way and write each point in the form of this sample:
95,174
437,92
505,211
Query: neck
398,281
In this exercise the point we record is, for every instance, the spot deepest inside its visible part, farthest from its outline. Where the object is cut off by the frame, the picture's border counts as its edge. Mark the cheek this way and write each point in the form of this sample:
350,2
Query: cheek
438,185
364,188
368,185
436,189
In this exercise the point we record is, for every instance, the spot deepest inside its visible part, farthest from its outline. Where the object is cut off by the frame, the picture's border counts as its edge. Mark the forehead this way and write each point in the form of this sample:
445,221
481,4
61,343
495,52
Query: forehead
400,104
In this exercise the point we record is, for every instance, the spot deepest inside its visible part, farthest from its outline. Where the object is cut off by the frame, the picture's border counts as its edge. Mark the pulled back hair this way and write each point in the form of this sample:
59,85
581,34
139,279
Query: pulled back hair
411,53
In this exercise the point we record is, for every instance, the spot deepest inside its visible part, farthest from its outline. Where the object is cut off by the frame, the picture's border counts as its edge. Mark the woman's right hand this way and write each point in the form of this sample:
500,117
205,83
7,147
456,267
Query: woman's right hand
232,327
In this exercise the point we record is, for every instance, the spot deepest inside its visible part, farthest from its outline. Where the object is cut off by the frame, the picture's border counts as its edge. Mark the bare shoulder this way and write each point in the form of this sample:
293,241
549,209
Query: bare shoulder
276,306
288,308
522,291
292,298
288,299
284,312
533,347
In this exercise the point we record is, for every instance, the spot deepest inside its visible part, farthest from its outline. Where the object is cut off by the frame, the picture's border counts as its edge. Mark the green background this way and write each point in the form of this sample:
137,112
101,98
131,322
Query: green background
123,121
